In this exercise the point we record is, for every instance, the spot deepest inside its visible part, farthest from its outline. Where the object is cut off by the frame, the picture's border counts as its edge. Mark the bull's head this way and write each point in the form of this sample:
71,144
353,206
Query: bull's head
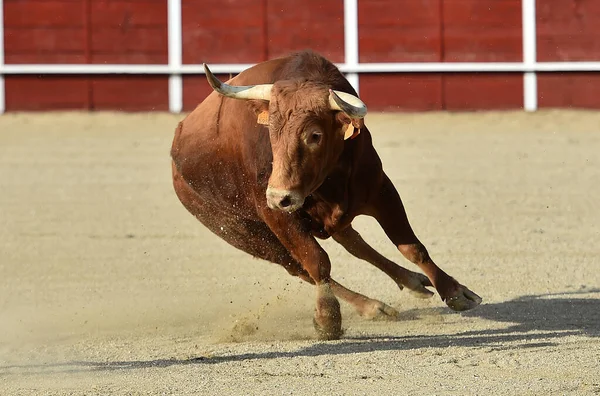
308,124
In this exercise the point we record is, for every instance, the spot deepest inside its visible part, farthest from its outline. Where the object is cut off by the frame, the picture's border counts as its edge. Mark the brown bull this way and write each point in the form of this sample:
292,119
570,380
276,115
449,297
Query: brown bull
280,155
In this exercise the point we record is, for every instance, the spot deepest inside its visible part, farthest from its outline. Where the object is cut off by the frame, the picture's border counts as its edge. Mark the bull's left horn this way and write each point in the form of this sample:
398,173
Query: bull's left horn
261,91
349,104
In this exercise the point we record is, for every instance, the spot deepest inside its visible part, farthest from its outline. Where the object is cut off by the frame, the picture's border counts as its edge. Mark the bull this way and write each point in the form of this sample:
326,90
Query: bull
279,156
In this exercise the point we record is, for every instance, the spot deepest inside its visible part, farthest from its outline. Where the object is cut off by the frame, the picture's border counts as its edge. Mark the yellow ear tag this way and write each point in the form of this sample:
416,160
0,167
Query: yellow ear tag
351,132
263,118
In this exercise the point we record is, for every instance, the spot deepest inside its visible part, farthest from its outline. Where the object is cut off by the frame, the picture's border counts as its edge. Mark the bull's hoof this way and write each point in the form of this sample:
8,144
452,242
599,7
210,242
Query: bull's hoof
417,285
424,293
328,333
377,310
328,318
463,300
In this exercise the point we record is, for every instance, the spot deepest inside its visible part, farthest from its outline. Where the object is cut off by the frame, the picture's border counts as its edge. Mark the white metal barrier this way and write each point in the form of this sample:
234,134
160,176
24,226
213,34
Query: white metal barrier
351,66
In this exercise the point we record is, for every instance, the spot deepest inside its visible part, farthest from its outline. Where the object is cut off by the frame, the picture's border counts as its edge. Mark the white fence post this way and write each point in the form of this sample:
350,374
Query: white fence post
530,92
175,56
2,87
351,40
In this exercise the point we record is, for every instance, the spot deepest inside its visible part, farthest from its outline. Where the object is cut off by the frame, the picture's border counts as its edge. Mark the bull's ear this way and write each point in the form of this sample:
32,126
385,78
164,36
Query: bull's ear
350,126
261,109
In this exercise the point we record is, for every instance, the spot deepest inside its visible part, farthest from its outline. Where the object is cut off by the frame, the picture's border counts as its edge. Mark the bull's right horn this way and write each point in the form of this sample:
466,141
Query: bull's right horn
261,91
347,103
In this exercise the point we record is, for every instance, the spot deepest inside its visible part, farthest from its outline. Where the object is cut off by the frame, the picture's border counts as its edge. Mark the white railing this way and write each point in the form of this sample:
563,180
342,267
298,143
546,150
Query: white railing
351,66
402,67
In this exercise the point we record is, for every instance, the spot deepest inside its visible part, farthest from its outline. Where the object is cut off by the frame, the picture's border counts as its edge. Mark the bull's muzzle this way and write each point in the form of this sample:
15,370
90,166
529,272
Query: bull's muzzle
286,200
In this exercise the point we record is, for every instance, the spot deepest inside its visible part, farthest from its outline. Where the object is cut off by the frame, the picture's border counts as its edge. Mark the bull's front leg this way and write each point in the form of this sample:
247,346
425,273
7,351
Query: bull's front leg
388,210
305,249
351,240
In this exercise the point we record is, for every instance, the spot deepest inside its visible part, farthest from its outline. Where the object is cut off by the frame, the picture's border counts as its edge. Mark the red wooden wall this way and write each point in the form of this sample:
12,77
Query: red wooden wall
248,31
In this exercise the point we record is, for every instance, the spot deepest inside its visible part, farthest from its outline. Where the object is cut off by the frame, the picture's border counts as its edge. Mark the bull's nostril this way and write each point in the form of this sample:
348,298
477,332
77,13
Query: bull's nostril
285,202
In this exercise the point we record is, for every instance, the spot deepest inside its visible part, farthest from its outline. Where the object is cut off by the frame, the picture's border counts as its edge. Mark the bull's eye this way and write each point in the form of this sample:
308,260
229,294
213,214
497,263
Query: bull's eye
314,138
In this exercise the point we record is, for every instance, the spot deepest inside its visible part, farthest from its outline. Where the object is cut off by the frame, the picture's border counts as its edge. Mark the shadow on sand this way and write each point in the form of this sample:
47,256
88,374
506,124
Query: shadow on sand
534,320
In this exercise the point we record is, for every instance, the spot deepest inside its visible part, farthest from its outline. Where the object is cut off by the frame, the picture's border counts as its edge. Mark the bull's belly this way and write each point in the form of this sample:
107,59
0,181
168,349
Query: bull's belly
233,222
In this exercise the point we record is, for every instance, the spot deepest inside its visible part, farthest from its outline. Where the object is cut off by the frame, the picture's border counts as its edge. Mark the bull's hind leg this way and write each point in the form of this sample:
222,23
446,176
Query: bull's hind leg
356,245
366,307
389,211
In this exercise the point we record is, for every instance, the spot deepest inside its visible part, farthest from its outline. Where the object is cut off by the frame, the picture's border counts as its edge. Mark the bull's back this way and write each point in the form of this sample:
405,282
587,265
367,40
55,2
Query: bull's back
212,152
217,151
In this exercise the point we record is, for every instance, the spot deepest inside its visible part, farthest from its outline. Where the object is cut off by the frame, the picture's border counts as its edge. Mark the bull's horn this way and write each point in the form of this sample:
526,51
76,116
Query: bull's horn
261,91
349,104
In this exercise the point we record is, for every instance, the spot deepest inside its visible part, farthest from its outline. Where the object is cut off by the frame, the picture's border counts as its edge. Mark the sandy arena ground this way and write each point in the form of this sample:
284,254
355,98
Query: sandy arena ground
109,286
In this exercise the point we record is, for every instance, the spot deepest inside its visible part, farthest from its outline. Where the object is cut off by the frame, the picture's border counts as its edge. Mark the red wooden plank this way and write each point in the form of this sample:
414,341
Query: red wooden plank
483,91
223,32
317,11
401,92
34,39
216,14
139,39
43,14
399,13
568,30
146,58
45,93
482,30
483,45
570,15
578,90
283,41
49,57
127,14
482,13
565,47
32,1
196,89
390,44
222,46
130,93
317,24
399,31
